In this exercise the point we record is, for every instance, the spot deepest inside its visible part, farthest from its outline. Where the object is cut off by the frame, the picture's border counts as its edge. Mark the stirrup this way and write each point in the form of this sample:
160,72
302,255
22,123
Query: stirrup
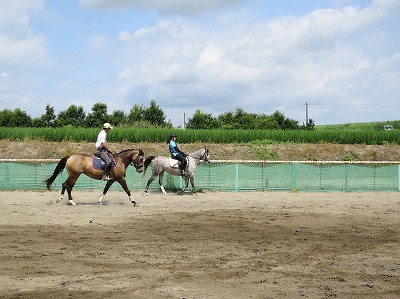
105,178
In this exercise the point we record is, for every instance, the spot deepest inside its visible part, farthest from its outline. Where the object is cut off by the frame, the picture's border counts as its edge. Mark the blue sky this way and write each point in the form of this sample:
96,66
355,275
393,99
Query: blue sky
341,57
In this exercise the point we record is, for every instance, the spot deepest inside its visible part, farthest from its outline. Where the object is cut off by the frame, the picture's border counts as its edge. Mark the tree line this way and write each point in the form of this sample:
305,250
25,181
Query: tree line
152,117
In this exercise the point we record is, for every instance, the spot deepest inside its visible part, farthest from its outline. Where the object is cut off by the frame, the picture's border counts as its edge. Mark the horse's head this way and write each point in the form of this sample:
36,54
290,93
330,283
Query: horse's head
137,161
133,157
206,155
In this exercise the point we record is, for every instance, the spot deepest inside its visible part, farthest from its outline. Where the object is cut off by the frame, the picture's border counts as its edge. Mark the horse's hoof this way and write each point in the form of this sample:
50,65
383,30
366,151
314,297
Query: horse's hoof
135,204
60,199
72,203
144,193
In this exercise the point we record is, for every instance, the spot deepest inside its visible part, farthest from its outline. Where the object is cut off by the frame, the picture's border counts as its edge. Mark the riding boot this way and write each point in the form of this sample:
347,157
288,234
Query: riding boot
106,175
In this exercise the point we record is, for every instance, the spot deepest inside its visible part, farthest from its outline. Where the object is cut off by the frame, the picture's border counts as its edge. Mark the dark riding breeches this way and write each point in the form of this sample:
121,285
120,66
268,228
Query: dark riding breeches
106,158
181,159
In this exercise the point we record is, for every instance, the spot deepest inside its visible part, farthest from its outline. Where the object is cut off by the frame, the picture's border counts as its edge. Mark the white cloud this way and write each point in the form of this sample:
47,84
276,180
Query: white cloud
126,36
237,58
126,74
274,63
15,15
19,46
97,41
29,51
165,6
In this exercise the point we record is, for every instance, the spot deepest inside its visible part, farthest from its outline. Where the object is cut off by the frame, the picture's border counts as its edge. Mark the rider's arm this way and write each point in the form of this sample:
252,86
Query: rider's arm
179,151
104,145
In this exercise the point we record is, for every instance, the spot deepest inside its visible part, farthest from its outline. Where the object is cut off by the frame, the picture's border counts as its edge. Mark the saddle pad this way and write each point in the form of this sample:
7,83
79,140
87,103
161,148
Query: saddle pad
99,164
173,162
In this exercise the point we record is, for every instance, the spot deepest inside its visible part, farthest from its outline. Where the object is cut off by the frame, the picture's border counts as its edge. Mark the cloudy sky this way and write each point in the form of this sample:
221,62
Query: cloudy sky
342,57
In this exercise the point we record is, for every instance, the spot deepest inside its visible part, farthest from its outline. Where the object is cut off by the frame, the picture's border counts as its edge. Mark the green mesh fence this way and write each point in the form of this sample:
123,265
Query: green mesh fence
225,176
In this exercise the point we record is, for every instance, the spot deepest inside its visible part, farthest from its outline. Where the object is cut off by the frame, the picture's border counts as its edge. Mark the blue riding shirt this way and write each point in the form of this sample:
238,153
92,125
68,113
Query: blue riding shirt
172,148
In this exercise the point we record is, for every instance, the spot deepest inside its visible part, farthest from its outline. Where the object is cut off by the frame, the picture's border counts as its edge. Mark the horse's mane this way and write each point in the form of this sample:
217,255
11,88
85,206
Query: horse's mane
203,148
141,153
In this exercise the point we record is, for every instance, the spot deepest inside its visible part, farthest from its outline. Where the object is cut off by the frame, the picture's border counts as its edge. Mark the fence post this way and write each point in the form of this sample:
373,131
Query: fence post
398,177
294,176
237,178
8,172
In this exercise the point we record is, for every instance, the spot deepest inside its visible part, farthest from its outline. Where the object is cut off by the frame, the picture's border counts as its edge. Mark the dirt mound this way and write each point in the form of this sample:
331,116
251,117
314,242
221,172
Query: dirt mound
34,149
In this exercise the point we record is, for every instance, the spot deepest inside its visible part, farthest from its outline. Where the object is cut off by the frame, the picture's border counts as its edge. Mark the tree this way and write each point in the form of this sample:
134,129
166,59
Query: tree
244,120
73,116
310,125
266,122
98,116
118,117
136,114
17,118
284,122
47,119
154,114
5,116
226,120
201,120
279,118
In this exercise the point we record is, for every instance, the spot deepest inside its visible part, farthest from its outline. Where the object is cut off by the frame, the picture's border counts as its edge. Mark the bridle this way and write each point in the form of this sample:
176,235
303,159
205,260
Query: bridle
136,163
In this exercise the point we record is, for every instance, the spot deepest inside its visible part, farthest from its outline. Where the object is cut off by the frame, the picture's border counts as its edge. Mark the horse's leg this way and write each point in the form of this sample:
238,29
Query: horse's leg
186,184
160,182
151,179
70,183
127,191
64,186
67,185
108,185
192,182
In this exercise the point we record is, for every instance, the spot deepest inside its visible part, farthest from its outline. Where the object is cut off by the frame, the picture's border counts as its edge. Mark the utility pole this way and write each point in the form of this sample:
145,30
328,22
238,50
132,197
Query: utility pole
184,120
306,114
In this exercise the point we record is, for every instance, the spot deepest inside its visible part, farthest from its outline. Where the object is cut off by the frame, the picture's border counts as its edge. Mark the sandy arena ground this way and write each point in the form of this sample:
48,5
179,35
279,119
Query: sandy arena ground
214,245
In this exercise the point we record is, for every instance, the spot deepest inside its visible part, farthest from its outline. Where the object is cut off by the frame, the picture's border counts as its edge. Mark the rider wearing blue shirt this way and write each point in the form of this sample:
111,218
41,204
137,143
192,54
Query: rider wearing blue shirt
176,153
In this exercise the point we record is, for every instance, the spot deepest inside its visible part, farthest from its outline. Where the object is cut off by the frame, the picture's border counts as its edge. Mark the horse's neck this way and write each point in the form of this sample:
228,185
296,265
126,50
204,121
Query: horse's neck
127,156
197,156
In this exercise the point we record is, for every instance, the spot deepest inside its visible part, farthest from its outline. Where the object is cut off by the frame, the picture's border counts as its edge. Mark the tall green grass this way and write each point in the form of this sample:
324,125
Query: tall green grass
360,126
135,135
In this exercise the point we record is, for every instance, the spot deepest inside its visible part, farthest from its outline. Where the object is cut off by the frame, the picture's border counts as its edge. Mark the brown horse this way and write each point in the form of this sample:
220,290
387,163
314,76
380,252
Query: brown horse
81,163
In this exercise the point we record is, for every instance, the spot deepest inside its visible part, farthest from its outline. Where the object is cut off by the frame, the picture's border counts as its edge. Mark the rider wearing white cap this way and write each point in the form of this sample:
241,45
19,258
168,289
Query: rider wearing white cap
102,150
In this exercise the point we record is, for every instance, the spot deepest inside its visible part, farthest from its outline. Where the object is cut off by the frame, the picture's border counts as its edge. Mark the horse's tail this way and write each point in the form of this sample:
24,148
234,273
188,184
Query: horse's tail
60,166
146,163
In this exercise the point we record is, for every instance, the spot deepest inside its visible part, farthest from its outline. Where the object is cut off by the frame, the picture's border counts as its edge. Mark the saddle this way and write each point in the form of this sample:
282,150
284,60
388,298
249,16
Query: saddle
99,164
173,162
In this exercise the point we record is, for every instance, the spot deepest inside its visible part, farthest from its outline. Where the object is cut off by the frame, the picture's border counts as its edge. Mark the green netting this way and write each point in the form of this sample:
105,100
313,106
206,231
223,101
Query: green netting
226,176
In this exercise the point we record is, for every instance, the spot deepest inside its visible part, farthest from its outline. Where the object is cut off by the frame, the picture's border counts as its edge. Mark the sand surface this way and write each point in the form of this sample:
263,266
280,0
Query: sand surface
213,245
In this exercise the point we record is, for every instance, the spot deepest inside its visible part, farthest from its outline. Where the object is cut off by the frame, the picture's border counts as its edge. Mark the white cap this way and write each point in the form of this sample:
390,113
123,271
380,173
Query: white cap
107,126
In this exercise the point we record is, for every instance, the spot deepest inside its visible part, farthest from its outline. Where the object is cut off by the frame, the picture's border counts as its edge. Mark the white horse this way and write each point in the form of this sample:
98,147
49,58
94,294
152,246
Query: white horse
161,164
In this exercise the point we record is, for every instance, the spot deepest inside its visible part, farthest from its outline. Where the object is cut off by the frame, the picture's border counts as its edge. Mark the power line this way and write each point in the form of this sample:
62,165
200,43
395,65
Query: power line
356,105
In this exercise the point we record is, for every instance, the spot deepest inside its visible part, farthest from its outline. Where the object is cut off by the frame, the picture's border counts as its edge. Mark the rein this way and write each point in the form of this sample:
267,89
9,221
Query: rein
129,163
203,157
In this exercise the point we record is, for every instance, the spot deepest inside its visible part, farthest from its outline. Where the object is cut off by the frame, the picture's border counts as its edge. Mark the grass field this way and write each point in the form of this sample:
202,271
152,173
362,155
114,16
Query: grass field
367,133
